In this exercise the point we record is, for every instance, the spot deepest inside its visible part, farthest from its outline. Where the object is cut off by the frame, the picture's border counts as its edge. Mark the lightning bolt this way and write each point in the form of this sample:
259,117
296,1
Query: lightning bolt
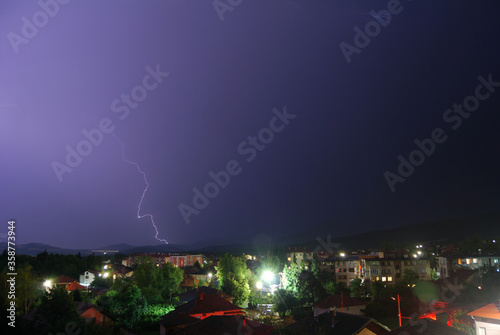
139,216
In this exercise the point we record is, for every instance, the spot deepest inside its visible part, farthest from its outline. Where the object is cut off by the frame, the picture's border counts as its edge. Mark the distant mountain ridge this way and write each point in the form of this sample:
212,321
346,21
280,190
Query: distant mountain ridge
444,231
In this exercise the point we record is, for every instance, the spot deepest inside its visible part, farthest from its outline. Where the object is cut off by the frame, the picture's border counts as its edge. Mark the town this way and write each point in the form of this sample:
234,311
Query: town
426,288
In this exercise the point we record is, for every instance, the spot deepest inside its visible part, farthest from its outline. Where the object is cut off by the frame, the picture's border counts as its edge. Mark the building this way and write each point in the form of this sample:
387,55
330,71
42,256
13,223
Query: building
179,260
337,323
341,303
88,277
204,306
426,327
235,324
391,270
137,257
92,313
301,254
446,265
487,319
347,269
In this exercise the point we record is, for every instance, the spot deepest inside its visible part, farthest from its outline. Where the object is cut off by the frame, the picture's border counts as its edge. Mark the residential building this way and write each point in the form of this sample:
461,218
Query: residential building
487,319
341,303
391,270
137,257
234,324
301,254
95,314
204,306
425,327
88,277
335,322
347,269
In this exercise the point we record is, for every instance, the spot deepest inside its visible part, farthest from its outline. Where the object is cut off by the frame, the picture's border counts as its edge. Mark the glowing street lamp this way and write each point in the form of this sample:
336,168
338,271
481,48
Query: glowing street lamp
47,283
267,276
209,277
342,254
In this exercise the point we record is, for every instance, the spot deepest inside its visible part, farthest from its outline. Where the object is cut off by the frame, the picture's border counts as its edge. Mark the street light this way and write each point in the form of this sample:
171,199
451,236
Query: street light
47,283
267,276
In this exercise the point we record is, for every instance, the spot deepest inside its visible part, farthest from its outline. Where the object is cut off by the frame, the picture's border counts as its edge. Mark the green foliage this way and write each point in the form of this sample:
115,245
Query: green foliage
158,284
99,281
434,275
28,288
233,274
55,311
285,302
357,288
290,279
379,291
125,302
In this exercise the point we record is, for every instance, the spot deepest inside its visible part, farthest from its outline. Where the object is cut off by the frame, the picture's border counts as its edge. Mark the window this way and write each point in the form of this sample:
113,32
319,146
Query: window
384,278
467,260
351,269
459,261
474,260
389,278
495,261
482,331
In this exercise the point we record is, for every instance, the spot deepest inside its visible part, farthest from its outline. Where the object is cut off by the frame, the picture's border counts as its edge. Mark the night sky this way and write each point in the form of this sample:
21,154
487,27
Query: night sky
306,114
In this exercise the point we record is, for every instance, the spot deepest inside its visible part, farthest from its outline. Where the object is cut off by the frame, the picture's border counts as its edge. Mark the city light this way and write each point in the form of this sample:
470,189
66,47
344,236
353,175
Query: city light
105,275
47,283
267,276
259,285
342,254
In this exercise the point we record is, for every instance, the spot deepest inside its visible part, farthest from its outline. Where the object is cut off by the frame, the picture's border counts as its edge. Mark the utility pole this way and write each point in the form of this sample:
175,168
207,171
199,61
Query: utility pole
399,309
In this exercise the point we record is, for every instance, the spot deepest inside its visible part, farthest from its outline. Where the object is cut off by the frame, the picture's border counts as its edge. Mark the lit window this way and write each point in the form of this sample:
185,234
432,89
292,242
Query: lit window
467,260
495,261
384,278
389,278
459,261
474,260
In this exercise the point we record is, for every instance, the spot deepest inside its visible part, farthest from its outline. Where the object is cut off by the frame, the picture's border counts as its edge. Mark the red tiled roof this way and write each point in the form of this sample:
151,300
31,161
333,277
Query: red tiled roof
338,301
63,280
491,311
210,303
74,285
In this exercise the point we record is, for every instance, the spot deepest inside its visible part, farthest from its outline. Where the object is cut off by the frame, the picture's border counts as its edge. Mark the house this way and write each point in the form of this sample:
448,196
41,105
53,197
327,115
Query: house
347,269
391,270
337,323
341,303
222,325
137,257
88,277
204,306
448,262
425,327
301,254
64,281
92,313
193,294
189,281
487,319
75,286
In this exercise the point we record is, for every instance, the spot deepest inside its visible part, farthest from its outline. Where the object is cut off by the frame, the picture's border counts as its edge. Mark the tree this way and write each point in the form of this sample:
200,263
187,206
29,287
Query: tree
290,279
357,288
28,288
125,302
232,273
410,277
285,302
56,310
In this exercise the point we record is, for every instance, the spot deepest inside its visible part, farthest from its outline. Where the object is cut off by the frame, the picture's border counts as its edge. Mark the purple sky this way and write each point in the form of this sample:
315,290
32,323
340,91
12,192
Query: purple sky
322,172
